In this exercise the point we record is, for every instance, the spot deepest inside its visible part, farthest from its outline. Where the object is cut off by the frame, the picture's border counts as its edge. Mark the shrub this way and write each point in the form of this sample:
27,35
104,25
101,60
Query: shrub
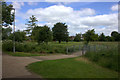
7,45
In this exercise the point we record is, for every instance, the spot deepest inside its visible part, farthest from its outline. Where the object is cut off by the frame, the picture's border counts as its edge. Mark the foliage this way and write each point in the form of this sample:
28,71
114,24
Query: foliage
105,55
102,37
78,37
20,36
70,68
115,35
6,33
31,23
90,36
60,32
7,16
44,34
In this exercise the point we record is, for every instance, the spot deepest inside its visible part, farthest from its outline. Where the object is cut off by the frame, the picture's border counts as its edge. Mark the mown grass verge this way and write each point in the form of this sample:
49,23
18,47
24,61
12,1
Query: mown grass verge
70,68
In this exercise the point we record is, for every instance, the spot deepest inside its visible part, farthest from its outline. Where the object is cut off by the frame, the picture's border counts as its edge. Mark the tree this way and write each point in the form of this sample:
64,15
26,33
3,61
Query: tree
20,36
7,16
108,38
102,37
31,23
6,33
60,32
78,37
90,36
44,34
115,35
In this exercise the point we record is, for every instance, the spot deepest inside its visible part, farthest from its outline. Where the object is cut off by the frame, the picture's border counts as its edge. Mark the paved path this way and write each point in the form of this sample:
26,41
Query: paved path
14,67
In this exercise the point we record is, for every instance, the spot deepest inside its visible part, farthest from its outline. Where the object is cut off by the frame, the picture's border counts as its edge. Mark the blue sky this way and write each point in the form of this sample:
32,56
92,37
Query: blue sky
79,16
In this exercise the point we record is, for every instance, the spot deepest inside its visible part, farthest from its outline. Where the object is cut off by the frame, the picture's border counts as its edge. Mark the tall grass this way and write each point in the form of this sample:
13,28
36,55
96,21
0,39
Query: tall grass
51,47
104,54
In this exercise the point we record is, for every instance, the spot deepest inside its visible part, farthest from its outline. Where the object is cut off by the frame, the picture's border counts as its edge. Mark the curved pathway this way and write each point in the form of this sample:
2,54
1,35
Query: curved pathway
14,67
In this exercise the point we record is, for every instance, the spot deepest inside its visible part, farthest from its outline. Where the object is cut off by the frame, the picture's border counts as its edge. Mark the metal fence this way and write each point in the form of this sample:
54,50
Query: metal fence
88,48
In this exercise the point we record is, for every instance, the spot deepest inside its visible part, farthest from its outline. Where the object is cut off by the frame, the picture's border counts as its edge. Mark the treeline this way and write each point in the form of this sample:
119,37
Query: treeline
90,35
43,33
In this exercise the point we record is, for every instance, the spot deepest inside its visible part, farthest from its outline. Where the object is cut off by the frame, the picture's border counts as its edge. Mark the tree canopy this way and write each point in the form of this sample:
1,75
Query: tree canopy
44,34
60,32
90,36
78,37
7,16
31,24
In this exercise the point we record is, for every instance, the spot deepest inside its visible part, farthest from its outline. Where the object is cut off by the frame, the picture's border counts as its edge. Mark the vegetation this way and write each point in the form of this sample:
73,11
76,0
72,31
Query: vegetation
31,23
6,33
51,47
44,35
60,32
104,54
78,37
7,16
20,36
70,68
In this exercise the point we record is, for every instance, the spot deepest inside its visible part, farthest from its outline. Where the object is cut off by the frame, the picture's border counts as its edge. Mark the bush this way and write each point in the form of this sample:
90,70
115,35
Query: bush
7,45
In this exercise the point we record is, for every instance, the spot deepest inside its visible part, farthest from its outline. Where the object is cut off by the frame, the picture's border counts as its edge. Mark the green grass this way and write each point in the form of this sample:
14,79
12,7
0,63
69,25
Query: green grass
70,68
23,54
106,55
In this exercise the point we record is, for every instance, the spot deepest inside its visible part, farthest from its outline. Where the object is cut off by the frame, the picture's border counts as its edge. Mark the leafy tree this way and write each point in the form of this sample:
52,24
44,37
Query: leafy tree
6,33
115,35
60,32
44,34
108,38
35,31
7,16
78,37
31,23
90,36
20,36
102,37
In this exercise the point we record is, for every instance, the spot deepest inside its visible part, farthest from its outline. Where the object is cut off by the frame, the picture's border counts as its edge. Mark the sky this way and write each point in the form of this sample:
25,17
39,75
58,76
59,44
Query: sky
79,16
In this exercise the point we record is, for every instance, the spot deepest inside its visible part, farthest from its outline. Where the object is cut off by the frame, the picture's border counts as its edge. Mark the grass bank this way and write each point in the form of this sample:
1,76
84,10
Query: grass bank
70,68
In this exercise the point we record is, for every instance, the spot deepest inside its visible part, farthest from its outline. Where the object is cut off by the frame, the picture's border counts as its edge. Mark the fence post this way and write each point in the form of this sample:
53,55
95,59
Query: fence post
73,48
67,50
94,48
79,47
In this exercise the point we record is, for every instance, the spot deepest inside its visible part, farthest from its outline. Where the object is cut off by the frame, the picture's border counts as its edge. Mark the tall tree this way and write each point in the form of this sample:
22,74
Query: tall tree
60,32
90,36
44,34
7,16
102,37
78,37
115,35
31,23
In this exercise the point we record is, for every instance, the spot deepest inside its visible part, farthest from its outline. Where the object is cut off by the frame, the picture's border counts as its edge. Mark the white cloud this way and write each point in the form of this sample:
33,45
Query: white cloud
32,3
17,5
114,7
77,21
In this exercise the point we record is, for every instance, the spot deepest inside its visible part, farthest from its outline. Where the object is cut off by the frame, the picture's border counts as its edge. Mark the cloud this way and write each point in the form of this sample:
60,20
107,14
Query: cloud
17,5
77,20
32,3
114,7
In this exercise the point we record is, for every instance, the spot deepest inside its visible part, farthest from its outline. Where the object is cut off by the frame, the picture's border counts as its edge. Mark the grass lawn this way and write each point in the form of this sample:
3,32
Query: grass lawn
23,54
70,68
